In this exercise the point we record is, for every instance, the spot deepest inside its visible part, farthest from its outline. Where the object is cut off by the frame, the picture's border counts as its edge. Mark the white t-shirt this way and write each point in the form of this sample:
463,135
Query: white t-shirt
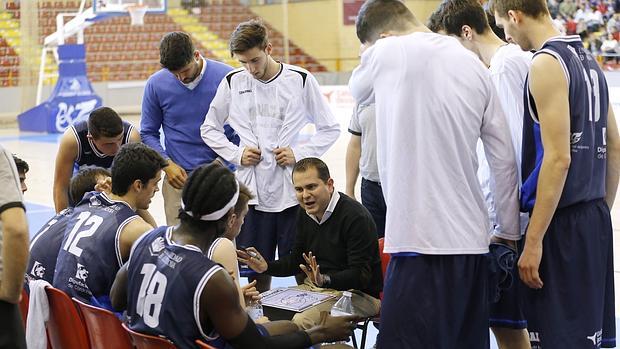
509,67
434,100
268,115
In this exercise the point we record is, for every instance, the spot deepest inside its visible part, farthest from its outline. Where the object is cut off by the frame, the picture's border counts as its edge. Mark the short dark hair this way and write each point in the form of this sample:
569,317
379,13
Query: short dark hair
380,16
305,164
134,161
245,195
208,189
248,35
532,8
457,13
176,50
497,30
22,166
84,181
435,21
104,122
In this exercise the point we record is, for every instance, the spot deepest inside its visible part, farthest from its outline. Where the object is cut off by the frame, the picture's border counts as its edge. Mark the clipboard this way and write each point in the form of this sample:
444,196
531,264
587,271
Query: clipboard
293,299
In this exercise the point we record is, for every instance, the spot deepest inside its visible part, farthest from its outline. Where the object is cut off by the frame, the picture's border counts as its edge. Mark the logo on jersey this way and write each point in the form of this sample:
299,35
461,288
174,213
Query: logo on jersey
596,338
94,201
244,91
81,273
157,246
575,137
38,270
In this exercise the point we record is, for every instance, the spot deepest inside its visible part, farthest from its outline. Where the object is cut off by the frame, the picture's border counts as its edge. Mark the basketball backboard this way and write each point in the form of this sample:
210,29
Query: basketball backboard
120,6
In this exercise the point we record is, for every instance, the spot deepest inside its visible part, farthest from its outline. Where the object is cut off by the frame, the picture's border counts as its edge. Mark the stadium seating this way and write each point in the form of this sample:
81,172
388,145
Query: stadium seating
144,341
203,345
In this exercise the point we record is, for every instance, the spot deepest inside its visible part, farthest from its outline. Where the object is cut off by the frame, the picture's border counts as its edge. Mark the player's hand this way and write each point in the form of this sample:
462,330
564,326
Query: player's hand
250,292
253,259
284,156
312,270
250,157
529,264
331,329
175,175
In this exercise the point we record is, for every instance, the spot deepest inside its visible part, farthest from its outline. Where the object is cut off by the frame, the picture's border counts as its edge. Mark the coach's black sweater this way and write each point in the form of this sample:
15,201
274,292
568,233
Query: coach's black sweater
345,246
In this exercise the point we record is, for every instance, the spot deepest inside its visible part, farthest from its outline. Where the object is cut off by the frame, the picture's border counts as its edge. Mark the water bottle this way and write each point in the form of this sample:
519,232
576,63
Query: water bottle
343,307
255,309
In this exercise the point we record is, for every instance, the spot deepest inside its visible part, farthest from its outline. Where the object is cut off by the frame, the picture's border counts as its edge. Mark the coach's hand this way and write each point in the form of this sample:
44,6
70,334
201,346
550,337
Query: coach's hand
253,259
250,156
284,156
529,264
175,175
312,270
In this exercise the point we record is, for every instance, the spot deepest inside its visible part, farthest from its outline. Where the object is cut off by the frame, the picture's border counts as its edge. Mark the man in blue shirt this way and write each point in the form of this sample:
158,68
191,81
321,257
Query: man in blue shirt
176,100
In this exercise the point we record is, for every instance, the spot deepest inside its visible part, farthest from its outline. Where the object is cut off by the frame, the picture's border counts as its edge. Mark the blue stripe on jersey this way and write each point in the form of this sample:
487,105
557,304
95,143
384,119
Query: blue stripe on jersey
588,105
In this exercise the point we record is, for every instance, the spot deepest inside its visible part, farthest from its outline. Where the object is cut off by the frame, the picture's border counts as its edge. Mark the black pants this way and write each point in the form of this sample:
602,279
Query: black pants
11,328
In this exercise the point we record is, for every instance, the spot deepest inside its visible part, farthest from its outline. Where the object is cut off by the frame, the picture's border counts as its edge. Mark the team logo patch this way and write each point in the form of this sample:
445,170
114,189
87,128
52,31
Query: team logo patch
38,270
157,246
575,137
81,273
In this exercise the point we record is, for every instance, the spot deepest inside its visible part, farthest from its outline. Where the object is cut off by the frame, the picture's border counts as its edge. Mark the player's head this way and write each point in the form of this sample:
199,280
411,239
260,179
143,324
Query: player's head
464,20
516,18
313,185
380,18
435,21
209,198
136,171
87,180
249,44
105,130
178,54
22,169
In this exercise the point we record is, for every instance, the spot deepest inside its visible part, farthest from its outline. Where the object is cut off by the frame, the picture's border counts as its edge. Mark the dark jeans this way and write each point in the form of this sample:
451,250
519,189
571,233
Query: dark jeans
372,199
11,328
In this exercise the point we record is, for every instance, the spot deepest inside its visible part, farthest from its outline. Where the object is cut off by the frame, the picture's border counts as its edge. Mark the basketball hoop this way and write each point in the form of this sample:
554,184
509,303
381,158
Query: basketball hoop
136,12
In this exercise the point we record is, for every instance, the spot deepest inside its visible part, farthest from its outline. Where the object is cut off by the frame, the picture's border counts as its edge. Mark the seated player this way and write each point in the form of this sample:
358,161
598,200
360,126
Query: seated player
22,169
89,143
336,244
45,245
171,288
103,227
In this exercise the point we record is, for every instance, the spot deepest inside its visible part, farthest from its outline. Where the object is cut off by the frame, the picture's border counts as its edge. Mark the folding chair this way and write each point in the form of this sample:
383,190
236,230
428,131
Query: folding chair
23,305
203,345
103,327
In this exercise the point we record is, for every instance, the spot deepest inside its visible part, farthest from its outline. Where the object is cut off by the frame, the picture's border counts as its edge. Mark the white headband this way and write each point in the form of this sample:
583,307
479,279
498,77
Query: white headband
214,216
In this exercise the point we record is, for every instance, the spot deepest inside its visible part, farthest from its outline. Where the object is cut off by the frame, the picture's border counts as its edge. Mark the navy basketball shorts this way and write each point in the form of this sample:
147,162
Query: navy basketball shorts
575,308
507,311
435,301
266,230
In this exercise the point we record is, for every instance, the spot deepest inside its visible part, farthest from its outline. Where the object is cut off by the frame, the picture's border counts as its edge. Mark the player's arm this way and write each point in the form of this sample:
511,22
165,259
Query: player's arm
549,88
65,159
219,304
118,292
130,233
147,217
212,130
14,252
319,113
613,159
354,152
134,136
362,79
225,254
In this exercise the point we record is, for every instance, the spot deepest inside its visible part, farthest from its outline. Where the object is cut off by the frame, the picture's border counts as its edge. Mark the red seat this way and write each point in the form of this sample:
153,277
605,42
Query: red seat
23,305
144,341
103,327
203,345
65,327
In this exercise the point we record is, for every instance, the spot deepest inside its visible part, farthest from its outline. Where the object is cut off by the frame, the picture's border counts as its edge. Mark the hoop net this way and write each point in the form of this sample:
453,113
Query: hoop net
137,12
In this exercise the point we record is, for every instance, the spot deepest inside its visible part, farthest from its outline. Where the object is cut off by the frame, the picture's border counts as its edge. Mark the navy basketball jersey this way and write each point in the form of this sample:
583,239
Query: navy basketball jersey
90,255
165,284
45,245
589,102
88,155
